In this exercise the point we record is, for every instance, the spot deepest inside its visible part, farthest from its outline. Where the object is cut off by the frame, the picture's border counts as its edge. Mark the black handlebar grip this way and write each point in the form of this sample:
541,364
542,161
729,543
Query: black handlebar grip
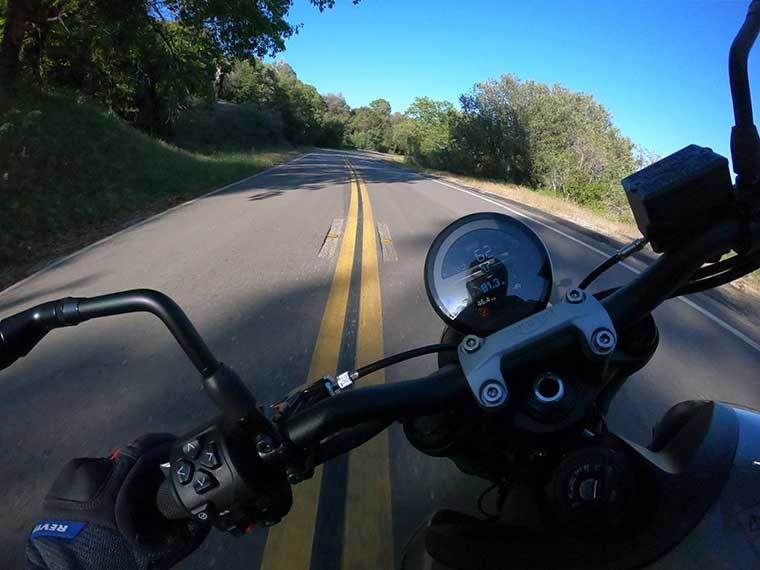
168,502
21,332
7,356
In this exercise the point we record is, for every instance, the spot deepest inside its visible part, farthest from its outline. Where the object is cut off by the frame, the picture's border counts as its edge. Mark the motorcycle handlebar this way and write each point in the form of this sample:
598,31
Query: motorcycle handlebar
442,390
669,273
447,387
21,332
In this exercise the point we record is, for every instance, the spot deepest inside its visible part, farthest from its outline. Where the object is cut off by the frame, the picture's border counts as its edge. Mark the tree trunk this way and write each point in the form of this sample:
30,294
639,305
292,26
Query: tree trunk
36,46
13,35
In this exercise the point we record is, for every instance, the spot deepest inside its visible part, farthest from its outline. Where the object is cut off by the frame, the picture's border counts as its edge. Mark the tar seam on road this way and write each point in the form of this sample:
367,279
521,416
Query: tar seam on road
367,530
60,260
704,312
386,242
330,243
289,544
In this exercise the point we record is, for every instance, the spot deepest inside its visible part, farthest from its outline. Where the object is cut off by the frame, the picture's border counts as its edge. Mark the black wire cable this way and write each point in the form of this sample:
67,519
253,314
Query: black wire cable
707,277
627,251
719,267
598,270
738,270
401,357
317,391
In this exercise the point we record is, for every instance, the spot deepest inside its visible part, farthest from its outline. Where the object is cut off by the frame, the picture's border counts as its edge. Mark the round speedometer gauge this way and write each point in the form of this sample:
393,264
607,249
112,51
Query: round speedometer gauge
486,271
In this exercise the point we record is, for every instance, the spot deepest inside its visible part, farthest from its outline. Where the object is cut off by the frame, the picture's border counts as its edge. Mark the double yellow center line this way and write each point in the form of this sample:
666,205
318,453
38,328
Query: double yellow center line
367,541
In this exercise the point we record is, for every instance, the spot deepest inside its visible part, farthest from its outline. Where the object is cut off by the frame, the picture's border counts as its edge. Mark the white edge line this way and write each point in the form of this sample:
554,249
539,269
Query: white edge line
717,320
720,322
60,260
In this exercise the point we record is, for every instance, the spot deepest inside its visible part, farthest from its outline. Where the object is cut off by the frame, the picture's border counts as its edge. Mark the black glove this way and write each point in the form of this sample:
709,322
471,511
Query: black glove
101,513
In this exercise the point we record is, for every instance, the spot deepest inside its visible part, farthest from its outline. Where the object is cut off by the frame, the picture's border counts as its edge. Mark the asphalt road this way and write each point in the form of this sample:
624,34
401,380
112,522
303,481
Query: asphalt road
244,264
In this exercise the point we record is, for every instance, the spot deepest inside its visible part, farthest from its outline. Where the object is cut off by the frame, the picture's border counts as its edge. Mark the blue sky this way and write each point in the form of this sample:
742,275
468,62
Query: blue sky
659,66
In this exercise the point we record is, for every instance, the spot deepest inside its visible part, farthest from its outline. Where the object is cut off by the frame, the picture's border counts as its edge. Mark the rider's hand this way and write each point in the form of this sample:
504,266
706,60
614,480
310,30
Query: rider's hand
101,513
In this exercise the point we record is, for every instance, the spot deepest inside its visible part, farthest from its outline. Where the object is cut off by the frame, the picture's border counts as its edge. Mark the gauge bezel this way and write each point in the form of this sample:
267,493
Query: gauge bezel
449,235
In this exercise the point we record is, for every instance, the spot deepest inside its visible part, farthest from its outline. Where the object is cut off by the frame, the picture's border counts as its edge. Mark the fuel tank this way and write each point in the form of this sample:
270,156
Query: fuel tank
707,513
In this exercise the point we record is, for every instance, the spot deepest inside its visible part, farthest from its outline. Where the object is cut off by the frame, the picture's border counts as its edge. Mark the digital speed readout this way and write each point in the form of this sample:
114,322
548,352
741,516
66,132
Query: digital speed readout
486,271
491,284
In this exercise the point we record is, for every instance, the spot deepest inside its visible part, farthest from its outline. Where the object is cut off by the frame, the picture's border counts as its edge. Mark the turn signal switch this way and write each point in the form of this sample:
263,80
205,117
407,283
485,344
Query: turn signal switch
215,476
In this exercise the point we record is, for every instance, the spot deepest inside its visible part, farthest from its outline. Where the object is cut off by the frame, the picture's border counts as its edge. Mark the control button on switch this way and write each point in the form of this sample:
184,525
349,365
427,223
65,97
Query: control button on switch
203,482
209,456
203,513
184,472
191,448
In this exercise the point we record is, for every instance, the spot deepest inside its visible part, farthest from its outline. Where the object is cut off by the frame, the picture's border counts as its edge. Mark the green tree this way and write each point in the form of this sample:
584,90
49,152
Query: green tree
249,81
431,131
237,28
370,125
401,134
381,107
550,137
307,117
301,105
337,116
144,58
144,69
489,137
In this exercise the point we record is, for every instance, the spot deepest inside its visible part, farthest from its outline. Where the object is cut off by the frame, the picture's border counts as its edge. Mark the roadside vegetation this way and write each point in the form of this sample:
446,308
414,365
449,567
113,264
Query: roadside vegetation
547,138
111,109
621,229
72,172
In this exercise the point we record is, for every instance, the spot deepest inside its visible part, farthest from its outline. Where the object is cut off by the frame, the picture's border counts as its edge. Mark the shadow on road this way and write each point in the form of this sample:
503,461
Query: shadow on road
302,175
109,381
